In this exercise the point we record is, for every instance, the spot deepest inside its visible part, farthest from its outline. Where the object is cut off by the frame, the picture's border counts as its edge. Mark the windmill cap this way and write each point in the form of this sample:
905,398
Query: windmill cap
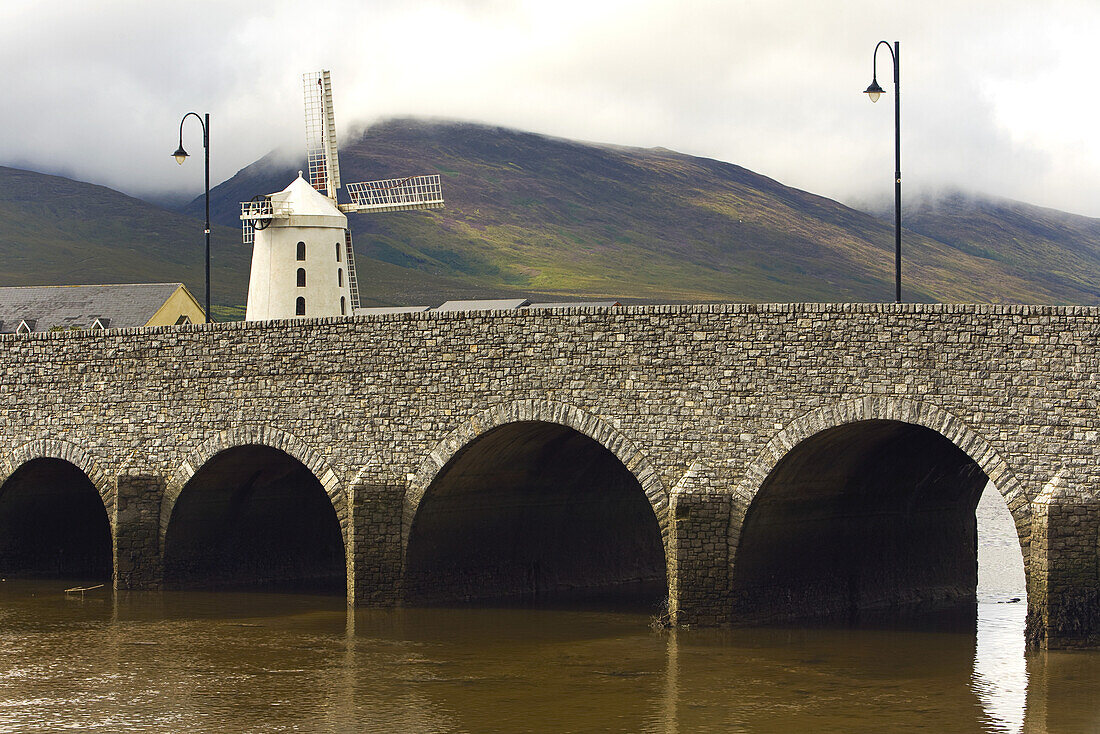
308,206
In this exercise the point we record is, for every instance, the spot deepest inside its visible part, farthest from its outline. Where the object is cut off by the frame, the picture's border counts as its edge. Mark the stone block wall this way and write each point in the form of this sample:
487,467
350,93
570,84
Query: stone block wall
374,557
1064,589
137,553
725,390
699,562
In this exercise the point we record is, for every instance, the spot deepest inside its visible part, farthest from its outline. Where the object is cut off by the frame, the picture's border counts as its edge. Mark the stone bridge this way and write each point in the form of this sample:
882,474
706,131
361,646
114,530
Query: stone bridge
753,463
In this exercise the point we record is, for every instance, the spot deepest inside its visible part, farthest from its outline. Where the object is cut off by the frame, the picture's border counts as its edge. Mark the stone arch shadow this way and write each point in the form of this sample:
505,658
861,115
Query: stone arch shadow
849,414
53,448
259,436
552,413
77,507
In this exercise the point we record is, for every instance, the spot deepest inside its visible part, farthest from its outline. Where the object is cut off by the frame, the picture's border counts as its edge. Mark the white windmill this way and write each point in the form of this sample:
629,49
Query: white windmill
302,258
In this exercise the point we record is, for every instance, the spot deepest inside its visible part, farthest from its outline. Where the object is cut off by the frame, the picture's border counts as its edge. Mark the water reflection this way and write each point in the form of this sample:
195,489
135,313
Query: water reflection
256,662
1000,669
222,662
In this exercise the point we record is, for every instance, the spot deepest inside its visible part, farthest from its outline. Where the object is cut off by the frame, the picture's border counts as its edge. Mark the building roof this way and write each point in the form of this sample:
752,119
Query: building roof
390,309
491,304
500,304
576,304
78,306
306,201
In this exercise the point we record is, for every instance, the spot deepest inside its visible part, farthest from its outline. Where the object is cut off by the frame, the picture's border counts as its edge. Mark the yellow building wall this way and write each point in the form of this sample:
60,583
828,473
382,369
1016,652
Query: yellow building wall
180,303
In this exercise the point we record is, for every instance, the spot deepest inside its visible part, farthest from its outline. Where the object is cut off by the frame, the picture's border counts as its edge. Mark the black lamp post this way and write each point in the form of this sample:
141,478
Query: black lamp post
874,92
181,155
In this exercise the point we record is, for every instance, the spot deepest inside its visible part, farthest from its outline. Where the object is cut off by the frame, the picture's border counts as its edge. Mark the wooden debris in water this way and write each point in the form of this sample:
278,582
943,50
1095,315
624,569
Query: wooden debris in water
81,589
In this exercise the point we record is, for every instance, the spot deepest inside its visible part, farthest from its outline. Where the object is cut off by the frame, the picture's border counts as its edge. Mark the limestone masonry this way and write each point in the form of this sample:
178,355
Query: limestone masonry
703,405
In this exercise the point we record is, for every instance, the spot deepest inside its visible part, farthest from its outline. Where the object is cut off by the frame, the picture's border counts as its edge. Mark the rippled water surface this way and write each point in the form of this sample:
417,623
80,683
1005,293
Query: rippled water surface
220,662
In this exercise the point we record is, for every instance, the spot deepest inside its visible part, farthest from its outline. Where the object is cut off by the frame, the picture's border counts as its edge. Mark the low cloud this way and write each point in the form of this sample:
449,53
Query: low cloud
994,94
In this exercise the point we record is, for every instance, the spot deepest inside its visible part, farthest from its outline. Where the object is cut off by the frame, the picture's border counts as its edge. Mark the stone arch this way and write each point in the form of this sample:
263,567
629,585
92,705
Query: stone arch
61,507
262,435
893,409
534,410
865,505
55,448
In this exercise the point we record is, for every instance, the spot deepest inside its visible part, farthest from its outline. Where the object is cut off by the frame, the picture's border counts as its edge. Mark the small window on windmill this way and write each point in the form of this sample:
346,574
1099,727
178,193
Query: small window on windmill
300,307
26,326
301,251
100,323
337,252
184,319
340,277
301,277
343,306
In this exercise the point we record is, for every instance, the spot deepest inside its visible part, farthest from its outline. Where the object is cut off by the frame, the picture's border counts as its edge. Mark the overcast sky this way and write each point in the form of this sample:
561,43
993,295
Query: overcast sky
997,97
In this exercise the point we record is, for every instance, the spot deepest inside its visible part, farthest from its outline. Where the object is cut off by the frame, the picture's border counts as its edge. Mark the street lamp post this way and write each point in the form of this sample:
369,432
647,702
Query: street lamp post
181,155
874,92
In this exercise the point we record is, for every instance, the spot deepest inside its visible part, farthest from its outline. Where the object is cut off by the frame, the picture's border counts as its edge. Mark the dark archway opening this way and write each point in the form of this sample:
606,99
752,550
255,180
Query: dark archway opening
53,524
870,517
537,512
253,517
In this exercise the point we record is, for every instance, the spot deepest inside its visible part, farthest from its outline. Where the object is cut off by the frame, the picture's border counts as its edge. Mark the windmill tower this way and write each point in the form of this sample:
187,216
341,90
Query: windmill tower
302,258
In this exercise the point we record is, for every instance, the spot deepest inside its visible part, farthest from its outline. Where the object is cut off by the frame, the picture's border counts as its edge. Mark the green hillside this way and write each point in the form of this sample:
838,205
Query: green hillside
1053,250
555,219
546,217
55,231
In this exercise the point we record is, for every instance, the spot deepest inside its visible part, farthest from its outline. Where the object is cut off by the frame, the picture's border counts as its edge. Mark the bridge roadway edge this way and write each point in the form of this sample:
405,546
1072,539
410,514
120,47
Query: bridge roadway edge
699,391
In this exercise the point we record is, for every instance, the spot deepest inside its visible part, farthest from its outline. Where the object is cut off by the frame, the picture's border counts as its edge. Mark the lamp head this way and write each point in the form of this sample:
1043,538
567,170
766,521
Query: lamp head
180,155
874,91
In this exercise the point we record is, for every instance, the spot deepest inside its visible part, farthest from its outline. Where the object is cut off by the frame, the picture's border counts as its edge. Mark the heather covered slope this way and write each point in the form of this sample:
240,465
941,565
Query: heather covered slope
552,219
555,218
1055,251
56,231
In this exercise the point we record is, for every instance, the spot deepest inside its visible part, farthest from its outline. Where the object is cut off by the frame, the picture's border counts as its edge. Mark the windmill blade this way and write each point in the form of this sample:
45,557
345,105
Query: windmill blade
324,166
395,194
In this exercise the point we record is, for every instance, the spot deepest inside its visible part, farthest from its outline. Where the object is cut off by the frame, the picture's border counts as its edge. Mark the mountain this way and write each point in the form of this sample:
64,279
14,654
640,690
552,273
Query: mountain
1056,251
552,218
56,231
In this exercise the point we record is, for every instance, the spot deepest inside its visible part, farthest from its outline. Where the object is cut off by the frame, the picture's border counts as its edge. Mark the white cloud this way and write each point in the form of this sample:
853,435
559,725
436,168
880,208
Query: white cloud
995,95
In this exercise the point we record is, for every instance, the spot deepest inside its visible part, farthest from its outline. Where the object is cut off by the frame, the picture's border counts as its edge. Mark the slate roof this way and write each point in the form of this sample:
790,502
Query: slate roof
67,306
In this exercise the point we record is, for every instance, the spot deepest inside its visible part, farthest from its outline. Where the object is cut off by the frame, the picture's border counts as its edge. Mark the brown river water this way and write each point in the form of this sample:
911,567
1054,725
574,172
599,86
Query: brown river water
235,662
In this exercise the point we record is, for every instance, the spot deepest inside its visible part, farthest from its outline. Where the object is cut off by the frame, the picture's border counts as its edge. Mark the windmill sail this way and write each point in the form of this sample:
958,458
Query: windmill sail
395,194
324,166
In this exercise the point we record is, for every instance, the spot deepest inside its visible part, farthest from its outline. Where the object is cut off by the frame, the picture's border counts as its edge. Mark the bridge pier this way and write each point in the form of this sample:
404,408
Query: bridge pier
1064,579
374,543
137,553
699,558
